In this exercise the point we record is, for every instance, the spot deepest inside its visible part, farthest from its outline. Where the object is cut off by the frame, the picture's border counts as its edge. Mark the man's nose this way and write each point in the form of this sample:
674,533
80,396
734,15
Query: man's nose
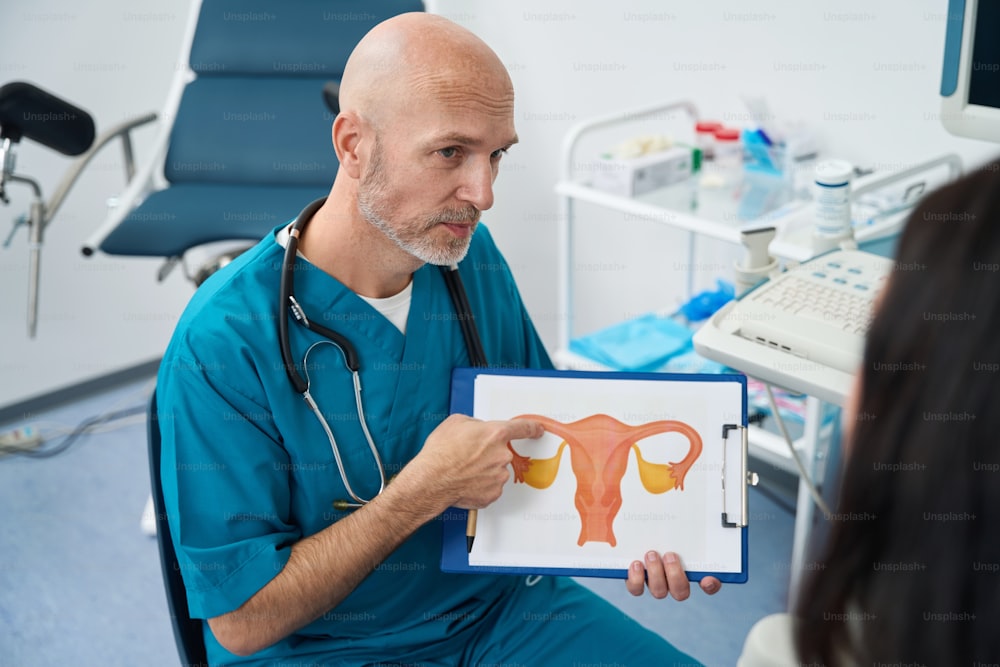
477,184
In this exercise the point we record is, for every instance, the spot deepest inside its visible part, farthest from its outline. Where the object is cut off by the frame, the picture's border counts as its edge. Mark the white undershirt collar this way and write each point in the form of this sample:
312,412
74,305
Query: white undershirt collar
395,308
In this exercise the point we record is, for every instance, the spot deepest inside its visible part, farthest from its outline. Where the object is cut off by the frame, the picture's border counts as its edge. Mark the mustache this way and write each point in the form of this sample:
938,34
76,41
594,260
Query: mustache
469,214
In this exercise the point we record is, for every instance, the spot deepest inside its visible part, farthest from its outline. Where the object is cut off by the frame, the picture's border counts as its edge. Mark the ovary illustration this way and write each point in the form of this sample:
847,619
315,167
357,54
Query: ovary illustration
599,448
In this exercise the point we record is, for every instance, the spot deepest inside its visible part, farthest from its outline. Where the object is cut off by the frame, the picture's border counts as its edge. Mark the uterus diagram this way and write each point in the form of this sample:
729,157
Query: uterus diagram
599,449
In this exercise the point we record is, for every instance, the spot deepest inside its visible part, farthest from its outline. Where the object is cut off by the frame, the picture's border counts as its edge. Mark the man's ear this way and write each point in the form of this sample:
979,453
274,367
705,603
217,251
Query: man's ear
346,132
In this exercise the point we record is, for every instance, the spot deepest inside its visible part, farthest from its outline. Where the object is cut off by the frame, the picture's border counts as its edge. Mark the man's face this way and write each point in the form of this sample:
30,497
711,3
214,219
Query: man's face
430,175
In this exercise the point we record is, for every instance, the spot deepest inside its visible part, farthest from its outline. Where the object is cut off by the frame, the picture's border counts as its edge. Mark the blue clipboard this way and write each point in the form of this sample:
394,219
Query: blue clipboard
731,437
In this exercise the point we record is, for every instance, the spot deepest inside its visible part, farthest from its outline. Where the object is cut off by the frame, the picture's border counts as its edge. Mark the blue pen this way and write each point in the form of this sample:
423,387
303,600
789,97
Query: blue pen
763,135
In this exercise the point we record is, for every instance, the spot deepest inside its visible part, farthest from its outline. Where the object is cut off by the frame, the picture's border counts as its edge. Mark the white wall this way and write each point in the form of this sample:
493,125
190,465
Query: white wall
864,74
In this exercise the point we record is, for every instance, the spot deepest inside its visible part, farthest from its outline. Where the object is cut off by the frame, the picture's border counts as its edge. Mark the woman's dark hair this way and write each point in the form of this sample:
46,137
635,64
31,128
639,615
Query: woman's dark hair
910,571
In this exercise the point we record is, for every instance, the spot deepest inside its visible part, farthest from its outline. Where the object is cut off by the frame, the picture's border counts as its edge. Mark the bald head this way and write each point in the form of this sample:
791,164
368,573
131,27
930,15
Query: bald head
417,57
426,115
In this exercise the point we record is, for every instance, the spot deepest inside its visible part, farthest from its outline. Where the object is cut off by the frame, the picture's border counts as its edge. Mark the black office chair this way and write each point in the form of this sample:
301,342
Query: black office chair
187,630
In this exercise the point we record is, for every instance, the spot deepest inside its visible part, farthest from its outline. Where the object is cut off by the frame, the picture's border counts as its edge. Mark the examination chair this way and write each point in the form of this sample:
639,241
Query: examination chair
249,143
30,112
187,630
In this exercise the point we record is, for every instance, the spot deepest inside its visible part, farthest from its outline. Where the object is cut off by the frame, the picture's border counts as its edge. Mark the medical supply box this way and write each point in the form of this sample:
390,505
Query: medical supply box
638,175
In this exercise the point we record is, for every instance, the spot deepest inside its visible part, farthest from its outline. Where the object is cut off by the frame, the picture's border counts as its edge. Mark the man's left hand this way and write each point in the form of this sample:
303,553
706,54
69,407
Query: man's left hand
664,575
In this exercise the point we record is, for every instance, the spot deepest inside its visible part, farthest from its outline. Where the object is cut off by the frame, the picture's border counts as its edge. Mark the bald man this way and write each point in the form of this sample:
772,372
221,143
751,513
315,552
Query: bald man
279,574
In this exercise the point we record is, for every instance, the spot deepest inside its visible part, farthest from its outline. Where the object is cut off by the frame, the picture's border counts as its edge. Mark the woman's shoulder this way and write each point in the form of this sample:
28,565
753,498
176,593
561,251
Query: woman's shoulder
770,643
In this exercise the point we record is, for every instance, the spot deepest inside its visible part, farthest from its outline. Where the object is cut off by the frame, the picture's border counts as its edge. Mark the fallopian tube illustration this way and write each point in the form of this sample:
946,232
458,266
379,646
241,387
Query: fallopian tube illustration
599,447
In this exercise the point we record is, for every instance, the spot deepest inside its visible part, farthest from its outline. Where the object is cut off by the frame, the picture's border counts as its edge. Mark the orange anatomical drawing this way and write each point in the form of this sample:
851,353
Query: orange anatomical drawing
599,448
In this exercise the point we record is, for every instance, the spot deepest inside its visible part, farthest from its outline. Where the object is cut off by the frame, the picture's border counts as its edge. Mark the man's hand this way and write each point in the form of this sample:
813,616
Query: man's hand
464,462
664,576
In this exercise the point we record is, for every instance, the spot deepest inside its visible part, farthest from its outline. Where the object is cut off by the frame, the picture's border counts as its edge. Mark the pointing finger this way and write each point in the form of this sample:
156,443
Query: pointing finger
524,428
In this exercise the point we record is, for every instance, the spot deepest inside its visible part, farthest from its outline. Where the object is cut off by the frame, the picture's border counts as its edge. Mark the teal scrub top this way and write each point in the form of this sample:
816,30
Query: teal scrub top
248,471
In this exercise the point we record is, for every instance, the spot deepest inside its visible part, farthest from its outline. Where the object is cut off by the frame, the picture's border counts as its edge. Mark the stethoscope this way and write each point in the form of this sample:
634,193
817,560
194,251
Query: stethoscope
301,384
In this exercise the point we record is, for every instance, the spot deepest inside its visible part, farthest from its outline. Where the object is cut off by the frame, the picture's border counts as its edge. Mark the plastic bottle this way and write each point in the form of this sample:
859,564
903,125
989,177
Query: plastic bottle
833,199
704,137
729,157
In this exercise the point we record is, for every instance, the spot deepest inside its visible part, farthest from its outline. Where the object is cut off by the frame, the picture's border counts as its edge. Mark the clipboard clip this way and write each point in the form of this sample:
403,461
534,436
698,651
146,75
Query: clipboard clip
747,477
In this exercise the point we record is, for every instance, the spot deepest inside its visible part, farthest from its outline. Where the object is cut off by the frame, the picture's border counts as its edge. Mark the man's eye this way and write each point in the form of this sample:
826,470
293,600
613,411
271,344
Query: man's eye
498,153
448,152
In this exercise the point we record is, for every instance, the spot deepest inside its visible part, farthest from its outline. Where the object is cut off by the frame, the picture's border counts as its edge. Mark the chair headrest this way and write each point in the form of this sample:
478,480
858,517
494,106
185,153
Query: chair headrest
305,38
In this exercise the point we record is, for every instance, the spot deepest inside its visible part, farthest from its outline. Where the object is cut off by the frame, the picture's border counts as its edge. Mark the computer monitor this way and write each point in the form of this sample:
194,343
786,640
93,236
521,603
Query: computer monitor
970,79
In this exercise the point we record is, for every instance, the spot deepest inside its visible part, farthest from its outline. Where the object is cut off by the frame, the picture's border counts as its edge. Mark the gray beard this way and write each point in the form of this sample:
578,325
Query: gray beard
421,247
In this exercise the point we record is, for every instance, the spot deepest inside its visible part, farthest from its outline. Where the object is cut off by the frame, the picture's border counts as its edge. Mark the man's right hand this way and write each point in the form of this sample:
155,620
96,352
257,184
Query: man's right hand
464,462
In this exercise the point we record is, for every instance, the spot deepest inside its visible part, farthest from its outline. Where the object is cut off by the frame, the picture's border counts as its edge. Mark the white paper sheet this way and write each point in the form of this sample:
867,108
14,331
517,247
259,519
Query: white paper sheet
541,527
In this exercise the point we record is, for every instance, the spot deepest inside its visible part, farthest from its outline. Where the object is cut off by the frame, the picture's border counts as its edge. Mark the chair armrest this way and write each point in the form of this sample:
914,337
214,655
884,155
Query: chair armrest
120,130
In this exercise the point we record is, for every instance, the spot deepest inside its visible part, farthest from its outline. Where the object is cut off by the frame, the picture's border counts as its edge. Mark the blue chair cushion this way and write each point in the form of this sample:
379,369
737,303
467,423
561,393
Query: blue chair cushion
252,130
250,144
183,216
310,38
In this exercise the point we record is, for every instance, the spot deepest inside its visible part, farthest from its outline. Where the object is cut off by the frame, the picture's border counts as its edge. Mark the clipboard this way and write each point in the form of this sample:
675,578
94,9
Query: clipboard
638,430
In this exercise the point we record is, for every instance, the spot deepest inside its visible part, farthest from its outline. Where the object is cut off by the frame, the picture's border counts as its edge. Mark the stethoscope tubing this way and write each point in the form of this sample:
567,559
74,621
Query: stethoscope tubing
288,306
